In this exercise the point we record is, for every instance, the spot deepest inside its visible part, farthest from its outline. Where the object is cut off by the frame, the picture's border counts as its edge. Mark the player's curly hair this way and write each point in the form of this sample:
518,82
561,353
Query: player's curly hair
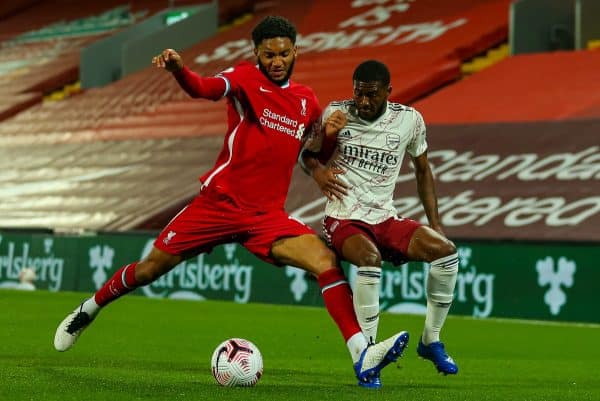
272,27
372,71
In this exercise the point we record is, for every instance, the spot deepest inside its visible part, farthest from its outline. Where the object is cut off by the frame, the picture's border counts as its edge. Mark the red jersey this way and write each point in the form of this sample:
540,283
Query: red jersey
267,125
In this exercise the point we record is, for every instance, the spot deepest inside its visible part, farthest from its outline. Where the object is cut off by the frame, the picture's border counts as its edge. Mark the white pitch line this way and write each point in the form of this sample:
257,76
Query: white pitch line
531,322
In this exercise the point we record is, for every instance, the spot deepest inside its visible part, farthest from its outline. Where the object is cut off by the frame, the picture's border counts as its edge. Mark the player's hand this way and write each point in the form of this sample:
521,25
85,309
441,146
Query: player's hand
169,59
334,123
328,182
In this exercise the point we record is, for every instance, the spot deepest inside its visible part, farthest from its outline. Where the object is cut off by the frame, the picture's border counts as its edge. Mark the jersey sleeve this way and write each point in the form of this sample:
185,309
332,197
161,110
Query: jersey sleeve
418,144
326,113
234,77
196,86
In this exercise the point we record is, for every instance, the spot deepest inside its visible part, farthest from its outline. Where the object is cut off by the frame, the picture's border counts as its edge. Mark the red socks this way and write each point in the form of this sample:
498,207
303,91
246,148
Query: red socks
334,288
338,301
121,283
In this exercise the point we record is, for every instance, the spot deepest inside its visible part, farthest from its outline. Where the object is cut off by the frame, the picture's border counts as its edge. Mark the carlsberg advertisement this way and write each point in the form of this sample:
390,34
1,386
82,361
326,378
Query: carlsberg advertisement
495,279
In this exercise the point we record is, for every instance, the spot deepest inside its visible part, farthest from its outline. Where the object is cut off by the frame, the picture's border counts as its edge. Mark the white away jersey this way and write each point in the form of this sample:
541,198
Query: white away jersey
371,153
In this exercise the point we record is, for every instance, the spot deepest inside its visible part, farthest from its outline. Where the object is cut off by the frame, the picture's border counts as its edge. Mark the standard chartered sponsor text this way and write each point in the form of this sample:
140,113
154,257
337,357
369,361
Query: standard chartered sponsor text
267,113
277,127
466,208
448,165
281,123
463,208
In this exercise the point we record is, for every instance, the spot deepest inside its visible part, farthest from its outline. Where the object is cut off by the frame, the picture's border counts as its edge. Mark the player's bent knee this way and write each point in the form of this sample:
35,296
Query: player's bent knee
307,252
324,260
320,259
446,248
440,249
369,259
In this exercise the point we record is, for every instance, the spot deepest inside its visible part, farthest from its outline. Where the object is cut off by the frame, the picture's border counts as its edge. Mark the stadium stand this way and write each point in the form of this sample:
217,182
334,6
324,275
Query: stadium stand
41,41
533,87
11,104
490,58
101,185
89,145
9,8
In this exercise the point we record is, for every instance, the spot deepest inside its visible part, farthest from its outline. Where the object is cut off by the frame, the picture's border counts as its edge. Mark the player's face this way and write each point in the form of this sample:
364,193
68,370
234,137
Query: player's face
370,99
276,58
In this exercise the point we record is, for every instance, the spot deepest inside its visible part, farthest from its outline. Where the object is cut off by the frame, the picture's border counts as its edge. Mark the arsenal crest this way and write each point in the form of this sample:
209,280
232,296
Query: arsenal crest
392,141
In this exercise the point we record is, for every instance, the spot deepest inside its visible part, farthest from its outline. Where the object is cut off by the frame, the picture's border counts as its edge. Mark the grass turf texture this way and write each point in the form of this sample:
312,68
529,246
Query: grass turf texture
146,349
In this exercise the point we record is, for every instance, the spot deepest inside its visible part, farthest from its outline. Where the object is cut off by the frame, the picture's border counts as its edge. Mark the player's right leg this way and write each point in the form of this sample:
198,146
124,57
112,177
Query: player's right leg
353,240
125,280
360,251
311,254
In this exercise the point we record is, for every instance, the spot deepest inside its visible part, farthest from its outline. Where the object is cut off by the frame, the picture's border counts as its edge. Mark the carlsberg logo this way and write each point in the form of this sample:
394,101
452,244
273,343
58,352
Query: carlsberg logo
196,275
48,267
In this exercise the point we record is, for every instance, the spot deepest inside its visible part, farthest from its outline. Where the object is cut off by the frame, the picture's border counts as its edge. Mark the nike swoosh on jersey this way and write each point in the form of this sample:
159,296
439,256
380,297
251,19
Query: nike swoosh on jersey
264,90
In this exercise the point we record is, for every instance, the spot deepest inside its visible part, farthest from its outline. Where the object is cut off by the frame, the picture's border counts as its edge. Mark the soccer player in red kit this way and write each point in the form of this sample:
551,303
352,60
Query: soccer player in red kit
242,197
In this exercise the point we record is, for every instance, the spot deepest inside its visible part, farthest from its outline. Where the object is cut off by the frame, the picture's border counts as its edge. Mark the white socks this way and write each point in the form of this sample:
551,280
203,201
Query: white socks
440,292
366,300
90,307
356,344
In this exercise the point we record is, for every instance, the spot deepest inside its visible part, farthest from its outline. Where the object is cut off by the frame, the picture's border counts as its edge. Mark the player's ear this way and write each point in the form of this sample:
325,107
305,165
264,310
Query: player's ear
389,90
295,51
255,50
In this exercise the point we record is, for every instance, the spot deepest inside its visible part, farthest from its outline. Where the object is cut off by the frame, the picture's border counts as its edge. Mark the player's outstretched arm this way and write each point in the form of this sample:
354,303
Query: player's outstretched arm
196,86
426,189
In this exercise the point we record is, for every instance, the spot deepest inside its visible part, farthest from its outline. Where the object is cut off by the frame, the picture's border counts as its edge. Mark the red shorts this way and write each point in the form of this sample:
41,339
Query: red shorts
213,219
391,237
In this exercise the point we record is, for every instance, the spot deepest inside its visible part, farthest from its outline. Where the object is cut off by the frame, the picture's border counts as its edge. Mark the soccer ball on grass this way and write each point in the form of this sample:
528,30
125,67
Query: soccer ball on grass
236,362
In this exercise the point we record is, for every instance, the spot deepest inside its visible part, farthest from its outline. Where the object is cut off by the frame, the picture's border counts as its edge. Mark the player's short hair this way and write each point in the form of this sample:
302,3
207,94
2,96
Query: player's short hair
273,26
371,71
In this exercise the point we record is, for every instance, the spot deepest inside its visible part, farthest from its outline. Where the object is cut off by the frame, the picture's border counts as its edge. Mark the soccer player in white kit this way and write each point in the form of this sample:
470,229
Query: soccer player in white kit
356,169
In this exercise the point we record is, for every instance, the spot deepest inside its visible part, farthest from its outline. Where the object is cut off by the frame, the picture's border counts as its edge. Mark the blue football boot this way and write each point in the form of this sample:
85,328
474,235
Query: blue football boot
376,357
436,353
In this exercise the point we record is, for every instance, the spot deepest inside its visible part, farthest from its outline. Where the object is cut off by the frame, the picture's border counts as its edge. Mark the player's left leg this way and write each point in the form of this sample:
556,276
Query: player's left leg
124,281
430,246
207,220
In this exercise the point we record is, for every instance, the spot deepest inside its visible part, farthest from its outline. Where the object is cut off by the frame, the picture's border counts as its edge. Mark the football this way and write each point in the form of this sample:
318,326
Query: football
237,362
27,275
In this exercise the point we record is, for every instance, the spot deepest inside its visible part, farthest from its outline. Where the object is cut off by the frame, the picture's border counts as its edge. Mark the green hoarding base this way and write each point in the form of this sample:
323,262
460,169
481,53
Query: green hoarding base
496,279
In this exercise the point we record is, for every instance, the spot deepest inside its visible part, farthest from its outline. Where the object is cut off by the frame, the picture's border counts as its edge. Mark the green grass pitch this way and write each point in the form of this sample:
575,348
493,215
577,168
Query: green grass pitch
145,349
